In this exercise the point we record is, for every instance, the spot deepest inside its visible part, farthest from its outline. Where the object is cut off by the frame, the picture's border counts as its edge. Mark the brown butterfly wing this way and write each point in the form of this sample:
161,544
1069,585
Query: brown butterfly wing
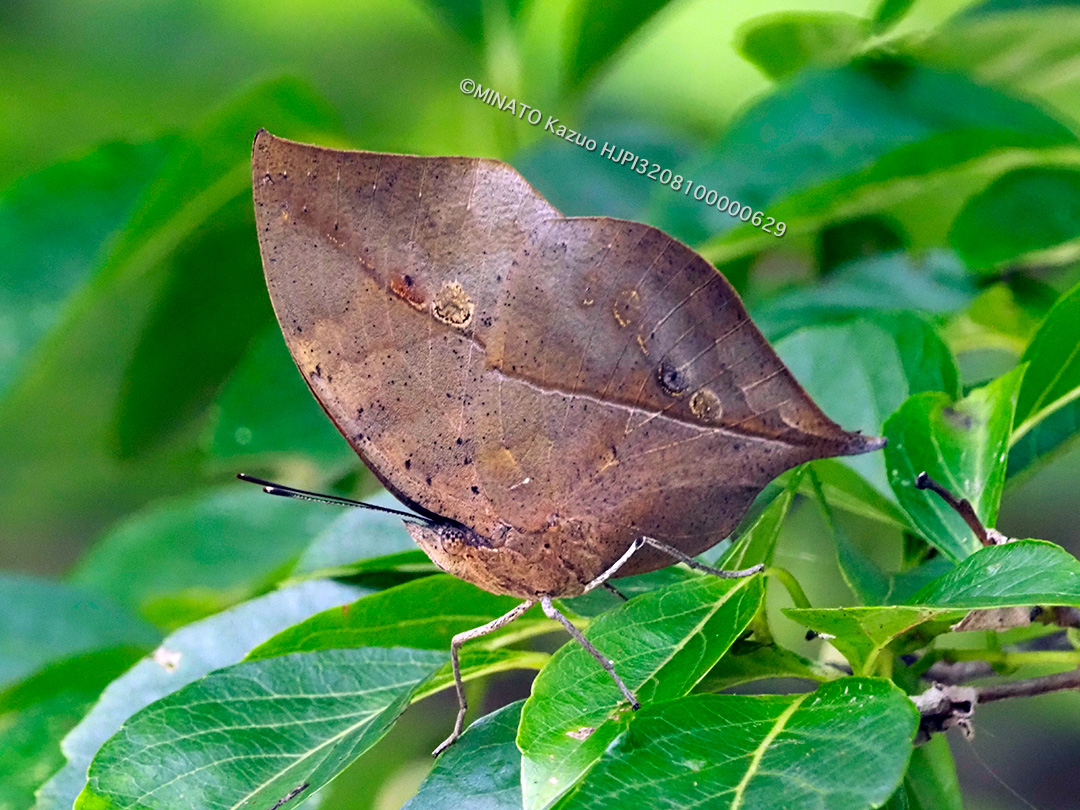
660,409
497,364
358,249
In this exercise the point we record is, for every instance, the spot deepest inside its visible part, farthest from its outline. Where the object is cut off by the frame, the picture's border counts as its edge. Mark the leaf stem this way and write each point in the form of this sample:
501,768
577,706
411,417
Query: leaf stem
962,507
794,589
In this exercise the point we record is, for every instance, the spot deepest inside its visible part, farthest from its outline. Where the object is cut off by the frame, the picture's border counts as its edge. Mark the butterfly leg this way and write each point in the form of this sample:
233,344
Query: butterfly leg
455,647
686,558
614,569
552,613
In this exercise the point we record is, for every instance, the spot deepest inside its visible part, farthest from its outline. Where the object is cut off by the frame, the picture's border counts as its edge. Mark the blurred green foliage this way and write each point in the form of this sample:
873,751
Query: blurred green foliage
925,160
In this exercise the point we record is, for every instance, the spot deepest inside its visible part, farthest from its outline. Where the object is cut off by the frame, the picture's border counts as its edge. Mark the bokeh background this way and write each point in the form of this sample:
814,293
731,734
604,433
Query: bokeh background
140,368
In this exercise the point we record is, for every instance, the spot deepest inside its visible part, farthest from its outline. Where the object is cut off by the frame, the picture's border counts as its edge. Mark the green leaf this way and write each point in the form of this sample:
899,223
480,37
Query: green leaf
54,226
1044,440
932,285
63,468
1002,317
862,634
889,13
846,489
661,643
898,801
870,584
758,543
184,656
481,771
865,579
1029,51
857,238
582,183
922,187
425,613
859,372
266,409
600,600
44,622
904,585
1047,409
748,661
36,714
844,747
1025,211
598,30
783,43
961,445
1020,574
753,541
256,732
215,297
213,290
182,559
852,140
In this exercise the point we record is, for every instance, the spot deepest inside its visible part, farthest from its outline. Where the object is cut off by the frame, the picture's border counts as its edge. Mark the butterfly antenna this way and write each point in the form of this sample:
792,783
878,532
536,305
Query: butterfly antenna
270,488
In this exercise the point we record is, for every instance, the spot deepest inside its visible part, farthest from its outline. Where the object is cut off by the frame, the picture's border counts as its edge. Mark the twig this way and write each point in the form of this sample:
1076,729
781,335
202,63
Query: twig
963,507
1032,686
942,707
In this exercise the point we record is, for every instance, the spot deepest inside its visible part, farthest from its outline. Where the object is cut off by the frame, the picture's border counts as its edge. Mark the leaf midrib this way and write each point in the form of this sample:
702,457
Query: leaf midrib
759,752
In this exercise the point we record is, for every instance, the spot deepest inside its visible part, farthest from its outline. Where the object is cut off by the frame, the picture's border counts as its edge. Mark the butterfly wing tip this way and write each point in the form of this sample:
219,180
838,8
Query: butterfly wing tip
865,444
